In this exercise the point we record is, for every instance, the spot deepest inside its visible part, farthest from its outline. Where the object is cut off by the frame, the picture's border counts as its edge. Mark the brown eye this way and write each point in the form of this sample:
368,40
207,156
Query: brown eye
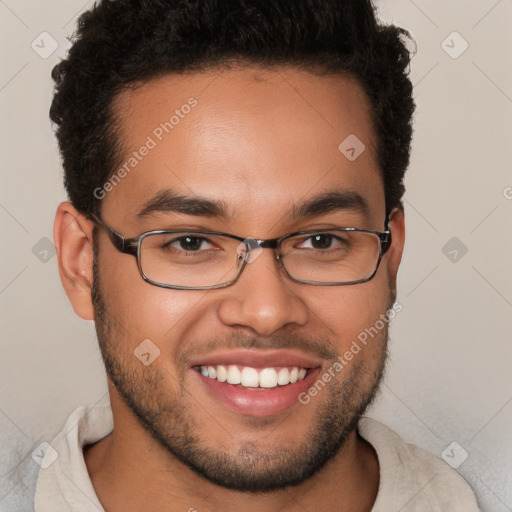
321,241
188,243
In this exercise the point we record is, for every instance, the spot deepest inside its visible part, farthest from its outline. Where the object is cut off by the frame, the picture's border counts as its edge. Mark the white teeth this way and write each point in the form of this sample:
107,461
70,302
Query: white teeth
252,377
234,375
268,378
249,377
283,377
222,373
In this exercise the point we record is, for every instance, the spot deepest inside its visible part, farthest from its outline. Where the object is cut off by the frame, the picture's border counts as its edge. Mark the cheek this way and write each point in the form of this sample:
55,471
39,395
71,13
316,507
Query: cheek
144,311
346,311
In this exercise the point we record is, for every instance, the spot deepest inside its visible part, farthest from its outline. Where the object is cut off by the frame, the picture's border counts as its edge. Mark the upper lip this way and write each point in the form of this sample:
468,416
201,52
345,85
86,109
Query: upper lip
257,358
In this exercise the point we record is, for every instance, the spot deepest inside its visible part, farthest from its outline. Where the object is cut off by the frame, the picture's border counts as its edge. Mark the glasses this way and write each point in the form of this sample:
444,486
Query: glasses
205,260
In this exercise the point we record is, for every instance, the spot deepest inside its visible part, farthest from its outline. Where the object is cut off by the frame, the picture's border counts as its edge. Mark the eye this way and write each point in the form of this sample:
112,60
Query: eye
189,243
321,241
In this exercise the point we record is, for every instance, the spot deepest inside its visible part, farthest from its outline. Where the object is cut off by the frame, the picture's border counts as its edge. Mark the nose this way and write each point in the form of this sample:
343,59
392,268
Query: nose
263,298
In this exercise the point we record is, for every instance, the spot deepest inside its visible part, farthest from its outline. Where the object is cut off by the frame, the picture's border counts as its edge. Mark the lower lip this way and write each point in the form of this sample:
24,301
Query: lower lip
257,401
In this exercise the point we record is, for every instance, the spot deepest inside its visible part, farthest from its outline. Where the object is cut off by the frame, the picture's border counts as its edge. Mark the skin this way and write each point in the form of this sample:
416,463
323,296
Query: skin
252,134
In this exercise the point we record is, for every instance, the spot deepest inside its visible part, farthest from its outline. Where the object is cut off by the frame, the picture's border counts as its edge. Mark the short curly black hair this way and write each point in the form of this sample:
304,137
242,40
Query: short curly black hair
122,42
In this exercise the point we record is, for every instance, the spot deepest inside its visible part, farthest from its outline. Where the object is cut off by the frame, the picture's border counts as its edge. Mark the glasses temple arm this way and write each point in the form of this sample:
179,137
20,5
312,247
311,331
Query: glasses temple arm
120,243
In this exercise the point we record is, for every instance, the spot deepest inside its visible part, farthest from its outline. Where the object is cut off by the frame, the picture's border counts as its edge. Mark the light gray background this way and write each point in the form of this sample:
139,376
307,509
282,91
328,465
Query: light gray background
449,377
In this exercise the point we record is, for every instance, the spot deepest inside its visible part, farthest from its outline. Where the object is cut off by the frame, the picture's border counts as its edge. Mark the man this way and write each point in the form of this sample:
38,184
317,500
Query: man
235,174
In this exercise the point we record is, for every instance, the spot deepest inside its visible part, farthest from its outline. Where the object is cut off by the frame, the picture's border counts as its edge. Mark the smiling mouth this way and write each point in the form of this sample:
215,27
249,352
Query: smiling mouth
254,378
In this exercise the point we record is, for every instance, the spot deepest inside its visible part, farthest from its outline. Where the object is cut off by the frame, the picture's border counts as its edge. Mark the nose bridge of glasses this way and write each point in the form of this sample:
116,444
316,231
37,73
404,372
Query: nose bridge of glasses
251,248
271,243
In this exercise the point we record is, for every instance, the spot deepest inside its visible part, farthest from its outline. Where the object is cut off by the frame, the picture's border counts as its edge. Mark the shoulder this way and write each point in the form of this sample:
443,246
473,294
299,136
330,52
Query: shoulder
412,478
18,486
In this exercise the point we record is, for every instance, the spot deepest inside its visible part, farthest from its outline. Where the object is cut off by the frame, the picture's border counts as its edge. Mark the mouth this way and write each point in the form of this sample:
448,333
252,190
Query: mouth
256,378
256,383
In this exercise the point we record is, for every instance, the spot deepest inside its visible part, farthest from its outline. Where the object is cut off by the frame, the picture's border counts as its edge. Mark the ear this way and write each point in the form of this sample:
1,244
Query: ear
394,254
72,234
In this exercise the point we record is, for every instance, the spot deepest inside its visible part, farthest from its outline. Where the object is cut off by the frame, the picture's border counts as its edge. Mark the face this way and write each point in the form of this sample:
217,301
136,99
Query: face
258,145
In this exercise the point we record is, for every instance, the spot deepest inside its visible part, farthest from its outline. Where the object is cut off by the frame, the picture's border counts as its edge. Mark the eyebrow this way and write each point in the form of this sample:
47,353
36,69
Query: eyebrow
170,201
327,202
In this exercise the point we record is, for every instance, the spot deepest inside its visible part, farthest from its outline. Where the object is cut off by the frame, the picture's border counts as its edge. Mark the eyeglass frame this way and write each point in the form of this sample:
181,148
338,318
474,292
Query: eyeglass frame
133,246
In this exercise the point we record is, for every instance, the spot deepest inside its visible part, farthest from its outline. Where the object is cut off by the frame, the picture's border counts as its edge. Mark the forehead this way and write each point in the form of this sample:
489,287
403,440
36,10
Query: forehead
258,140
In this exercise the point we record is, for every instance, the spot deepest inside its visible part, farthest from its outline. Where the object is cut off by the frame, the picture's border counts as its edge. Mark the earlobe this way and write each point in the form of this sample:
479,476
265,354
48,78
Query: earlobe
72,235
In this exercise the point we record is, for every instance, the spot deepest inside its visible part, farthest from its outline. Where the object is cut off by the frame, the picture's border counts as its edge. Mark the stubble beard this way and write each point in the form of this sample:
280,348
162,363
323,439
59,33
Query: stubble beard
167,416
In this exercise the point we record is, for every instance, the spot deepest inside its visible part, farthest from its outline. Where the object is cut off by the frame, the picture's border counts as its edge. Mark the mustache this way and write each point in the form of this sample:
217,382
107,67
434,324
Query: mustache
319,347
